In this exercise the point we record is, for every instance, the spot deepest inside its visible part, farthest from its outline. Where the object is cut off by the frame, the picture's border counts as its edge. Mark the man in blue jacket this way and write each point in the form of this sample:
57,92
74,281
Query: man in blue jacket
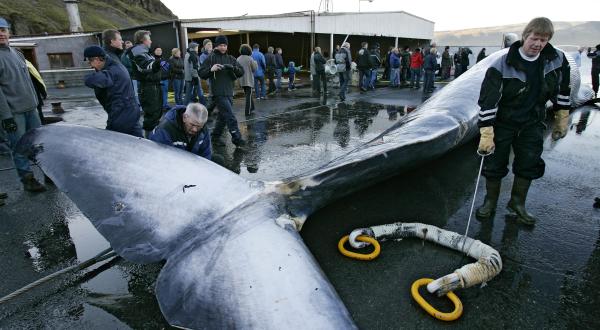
185,128
259,74
114,91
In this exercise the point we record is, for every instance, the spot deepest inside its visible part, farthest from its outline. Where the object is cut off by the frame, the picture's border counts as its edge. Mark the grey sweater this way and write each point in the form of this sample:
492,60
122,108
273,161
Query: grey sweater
17,94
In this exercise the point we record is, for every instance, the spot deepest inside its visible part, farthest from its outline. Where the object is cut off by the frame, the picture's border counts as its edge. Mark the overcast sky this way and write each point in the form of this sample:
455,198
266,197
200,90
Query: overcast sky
447,14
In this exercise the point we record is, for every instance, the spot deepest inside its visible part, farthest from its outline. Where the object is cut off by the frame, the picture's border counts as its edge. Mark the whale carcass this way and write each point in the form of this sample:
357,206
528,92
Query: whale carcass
234,258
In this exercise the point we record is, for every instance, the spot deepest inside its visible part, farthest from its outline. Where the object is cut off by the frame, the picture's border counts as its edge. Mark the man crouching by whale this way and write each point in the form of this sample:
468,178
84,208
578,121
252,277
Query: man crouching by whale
512,100
185,128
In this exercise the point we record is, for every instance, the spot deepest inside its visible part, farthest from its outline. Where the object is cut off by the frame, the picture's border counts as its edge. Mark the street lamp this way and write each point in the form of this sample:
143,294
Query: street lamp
359,1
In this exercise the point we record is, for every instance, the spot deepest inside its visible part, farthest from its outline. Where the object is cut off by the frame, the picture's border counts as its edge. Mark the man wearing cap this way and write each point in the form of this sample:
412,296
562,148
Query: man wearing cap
114,90
146,69
18,104
222,70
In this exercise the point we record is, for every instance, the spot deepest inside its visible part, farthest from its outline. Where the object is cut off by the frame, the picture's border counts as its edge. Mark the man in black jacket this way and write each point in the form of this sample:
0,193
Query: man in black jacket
595,56
223,70
113,44
363,63
271,66
513,95
320,78
146,69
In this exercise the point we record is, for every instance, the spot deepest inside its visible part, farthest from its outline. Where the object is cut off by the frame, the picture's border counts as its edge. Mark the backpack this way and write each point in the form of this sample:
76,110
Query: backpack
340,61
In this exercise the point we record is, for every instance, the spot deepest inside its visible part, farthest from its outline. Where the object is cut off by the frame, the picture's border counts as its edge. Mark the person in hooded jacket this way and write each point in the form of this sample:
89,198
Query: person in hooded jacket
223,70
184,127
110,80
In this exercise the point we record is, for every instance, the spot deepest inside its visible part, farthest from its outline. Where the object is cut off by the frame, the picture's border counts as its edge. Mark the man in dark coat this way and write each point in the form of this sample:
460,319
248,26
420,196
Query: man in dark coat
185,128
271,66
481,55
512,114
113,44
320,77
222,70
363,64
595,56
114,90
146,69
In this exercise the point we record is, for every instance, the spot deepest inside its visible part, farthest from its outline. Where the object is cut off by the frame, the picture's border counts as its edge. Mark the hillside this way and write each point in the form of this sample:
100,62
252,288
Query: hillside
566,33
49,16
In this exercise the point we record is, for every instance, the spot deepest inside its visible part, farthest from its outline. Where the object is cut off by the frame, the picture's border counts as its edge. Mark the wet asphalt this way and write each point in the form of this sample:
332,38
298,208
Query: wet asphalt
551,274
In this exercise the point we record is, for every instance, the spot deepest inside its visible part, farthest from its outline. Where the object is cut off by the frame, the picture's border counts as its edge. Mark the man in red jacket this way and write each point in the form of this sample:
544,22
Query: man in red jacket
416,64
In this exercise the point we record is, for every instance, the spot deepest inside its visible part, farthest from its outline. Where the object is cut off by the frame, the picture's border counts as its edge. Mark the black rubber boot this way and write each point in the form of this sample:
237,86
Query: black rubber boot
488,209
516,205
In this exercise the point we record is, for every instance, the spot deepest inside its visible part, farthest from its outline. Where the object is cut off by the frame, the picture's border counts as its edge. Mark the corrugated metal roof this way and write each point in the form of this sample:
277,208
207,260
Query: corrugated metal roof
390,24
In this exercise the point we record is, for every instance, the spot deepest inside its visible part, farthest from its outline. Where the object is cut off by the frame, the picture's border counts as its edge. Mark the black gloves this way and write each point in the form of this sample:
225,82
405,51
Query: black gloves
9,125
227,66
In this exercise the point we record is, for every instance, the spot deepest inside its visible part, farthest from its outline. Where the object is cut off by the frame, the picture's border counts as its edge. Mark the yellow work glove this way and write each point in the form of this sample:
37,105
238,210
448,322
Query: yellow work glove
486,141
561,124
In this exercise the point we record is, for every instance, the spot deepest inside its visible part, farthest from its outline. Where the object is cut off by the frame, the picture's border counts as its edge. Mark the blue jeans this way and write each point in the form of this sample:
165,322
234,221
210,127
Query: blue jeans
164,87
394,77
260,88
416,75
178,89
373,78
25,122
278,73
364,76
428,84
193,90
291,85
135,90
344,80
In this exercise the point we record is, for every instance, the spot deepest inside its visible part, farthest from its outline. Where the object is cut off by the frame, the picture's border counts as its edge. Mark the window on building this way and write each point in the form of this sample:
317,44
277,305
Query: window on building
61,60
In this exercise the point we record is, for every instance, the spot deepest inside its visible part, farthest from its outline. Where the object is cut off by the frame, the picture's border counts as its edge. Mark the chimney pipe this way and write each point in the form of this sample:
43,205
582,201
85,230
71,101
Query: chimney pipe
73,12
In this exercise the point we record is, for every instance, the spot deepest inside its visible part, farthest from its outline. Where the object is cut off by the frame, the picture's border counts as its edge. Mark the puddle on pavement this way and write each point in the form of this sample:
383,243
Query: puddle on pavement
306,136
